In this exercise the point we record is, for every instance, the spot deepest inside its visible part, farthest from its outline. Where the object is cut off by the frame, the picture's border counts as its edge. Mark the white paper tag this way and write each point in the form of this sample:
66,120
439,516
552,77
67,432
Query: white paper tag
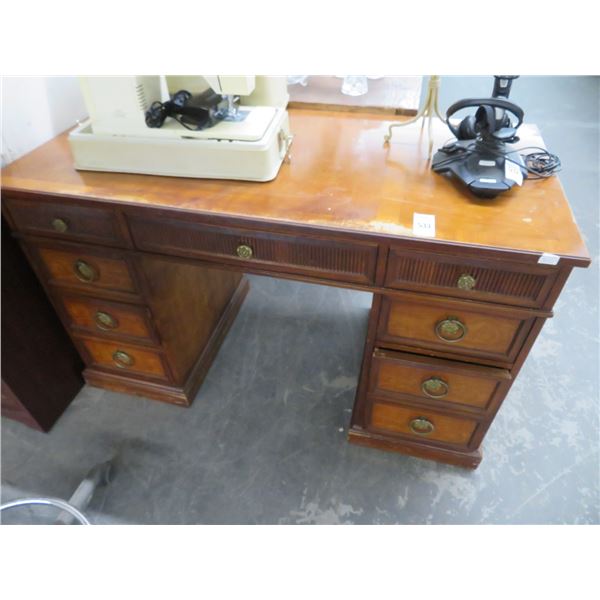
548,259
513,171
424,225
487,163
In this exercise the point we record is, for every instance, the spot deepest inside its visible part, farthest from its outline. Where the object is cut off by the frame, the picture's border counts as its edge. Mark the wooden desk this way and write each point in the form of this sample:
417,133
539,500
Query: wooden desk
145,272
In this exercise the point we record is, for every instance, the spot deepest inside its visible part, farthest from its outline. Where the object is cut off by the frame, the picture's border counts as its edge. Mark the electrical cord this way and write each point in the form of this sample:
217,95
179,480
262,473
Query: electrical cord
539,164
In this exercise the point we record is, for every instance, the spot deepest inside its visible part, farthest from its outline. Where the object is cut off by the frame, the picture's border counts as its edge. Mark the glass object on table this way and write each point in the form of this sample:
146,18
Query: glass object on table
297,79
355,85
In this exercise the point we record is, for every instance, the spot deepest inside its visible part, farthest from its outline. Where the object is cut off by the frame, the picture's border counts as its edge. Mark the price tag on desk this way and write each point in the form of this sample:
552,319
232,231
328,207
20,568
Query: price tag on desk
424,225
513,171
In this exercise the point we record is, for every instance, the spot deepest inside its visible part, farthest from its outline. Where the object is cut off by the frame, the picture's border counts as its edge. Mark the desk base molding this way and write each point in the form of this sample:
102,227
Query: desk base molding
468,459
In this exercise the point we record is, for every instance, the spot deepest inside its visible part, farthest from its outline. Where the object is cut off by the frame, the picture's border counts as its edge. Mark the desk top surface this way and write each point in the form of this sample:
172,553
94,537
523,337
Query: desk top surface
341,177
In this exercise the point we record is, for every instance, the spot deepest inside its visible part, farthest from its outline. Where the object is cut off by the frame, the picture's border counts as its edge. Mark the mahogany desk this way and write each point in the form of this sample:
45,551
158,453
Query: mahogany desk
146,272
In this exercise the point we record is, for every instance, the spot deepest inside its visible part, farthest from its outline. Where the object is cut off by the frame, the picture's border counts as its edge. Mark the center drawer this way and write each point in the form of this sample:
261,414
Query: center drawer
315,257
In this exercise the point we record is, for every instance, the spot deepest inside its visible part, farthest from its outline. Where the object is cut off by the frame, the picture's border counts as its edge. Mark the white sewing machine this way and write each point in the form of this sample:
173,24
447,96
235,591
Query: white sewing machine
247,136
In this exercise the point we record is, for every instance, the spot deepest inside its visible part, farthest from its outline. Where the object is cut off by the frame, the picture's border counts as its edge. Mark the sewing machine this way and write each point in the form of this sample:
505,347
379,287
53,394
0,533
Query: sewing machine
247,135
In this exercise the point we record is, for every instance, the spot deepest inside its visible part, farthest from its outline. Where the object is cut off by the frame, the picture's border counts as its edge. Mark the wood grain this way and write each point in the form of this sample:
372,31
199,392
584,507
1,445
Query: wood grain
340,178
494,281
146,362
93,224
112,273
401,376
494,333
131,322
396,419
319,257
187,302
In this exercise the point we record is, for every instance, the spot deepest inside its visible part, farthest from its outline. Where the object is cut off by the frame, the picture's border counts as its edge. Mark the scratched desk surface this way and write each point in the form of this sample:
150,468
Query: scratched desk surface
342,177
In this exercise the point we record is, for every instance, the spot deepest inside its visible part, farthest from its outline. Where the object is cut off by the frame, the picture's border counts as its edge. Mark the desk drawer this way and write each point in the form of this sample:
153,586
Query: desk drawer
109,319
84,268
449,384
124,358
67,221
421,424
338,260
523,285
461,329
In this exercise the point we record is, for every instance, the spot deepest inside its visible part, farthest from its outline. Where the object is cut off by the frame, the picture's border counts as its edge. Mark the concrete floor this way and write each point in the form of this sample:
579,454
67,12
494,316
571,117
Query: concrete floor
266,440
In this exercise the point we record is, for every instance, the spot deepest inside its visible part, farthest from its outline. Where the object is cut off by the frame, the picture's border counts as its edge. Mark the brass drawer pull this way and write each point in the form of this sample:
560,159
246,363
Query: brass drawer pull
105,321
59,225
434,387
244,251
84,271
450,330
122,359
421,425
466,282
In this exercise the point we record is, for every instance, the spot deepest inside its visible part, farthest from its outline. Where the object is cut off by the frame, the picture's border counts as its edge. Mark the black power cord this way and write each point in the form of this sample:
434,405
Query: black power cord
539,164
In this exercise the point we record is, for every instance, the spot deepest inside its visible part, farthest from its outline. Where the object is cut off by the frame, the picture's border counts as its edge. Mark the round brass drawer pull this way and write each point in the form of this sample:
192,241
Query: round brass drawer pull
450,330
421,425
122,359
59,225
434,387
105,321
466,282
244,251
84,271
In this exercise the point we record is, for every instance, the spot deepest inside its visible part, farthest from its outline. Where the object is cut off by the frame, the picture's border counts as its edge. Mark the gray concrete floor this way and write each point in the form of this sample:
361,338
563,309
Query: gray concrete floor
265,442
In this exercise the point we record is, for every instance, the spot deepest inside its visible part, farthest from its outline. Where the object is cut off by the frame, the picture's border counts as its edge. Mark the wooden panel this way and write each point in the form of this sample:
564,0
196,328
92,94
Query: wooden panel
340,178
116,320
495,281
109,273
68,221
143,361
399,375
396,419
489,332
318,257
187,302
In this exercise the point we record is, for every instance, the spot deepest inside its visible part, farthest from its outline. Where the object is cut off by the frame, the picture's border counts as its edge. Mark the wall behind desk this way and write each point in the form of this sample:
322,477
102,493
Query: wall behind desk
36,109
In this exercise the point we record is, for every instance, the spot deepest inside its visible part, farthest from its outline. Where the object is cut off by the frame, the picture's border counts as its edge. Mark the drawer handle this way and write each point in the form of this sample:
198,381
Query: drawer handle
84,271
59,225
434,387
105,321
244,251
450,330
421,425
466,282
122,359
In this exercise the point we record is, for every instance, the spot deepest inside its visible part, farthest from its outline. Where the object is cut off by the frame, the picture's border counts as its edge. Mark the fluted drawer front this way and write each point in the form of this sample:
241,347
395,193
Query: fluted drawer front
497,281
449,384
466,330
66,220
339,260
